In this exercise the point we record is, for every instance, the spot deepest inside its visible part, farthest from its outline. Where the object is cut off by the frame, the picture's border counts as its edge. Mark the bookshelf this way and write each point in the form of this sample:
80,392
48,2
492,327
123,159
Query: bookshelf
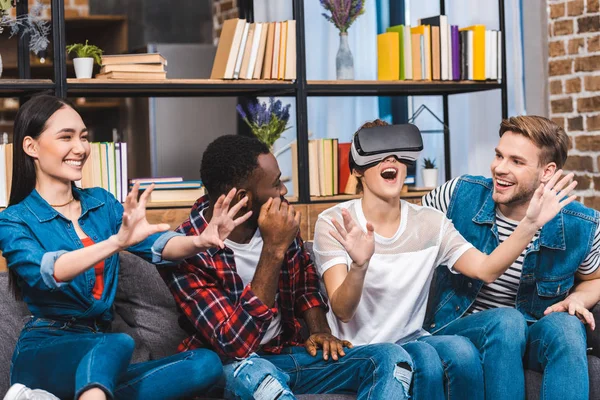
301,89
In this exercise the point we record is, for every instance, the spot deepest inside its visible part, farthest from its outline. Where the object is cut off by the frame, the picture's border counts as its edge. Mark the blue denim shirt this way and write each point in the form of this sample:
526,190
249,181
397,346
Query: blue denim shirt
549,265
32,237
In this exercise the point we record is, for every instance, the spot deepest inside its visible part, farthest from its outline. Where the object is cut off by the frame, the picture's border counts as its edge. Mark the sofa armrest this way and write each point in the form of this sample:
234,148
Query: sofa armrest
593,336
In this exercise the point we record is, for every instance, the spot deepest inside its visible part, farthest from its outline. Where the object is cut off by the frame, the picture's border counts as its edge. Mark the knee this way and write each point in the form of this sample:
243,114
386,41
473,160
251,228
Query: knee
562,331
257,378
389,354
425,359
206,366
465,355
509,326
121,342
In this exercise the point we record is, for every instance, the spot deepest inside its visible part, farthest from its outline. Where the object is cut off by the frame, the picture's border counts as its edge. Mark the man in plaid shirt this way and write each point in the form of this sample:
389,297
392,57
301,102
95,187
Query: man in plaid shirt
245,299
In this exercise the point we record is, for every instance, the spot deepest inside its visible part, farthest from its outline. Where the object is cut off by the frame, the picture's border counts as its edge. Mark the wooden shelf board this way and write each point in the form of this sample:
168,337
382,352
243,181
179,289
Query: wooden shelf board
380,88
96,105
17,87
178,87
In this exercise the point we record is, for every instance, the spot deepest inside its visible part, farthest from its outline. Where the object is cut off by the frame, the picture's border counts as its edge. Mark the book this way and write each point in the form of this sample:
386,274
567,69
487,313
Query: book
313,167
401,50
170,185
229,44
268,63
416,56
478,56
388,56
240,55
143,58
455,53
247,52
290,52
441,22
254,51
3,175
179,195
132,68
276,50
343,165
282,50
436,59
9,168
151,76
262,47
156,180
425,32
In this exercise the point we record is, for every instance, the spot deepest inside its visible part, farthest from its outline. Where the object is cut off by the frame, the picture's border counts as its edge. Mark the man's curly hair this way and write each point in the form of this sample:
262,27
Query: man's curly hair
228,162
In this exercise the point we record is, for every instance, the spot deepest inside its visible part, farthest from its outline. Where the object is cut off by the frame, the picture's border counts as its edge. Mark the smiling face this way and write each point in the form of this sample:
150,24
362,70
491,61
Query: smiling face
385,180
516,170
61,150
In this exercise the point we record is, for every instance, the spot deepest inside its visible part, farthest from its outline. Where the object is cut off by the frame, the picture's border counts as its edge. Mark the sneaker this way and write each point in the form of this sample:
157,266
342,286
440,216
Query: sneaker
22,392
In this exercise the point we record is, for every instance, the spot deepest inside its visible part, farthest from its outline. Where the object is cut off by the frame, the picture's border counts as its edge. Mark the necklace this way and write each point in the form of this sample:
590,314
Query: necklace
62,205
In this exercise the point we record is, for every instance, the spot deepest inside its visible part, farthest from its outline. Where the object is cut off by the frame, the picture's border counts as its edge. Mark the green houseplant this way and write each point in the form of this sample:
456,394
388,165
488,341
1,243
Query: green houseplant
430,173
86,54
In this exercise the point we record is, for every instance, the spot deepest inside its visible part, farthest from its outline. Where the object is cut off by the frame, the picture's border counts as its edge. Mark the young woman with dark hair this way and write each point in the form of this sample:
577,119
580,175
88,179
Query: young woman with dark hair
61,244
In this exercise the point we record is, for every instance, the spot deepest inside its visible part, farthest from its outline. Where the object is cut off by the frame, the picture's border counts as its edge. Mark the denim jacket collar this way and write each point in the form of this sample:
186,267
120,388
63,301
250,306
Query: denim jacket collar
552,235
44,212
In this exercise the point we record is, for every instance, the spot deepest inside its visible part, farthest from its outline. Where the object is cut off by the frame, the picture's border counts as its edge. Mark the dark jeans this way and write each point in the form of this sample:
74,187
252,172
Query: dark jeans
67,359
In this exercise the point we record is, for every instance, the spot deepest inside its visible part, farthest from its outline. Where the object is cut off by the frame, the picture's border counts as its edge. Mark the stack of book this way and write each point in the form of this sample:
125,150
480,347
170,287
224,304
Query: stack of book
329,170
256,51
106,167
149,66
436,50
170,190
6,157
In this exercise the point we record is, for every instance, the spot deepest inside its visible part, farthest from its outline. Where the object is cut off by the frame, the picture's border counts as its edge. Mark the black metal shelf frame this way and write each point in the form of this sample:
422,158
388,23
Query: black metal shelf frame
301,89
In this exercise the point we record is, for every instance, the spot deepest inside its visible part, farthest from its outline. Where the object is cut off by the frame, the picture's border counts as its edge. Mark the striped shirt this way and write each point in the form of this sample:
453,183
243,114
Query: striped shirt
503,291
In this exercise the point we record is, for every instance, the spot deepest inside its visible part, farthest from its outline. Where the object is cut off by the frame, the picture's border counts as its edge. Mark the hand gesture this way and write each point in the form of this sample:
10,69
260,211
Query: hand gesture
550,198
574,307
329,343
222,222
278,223
359,245
135,227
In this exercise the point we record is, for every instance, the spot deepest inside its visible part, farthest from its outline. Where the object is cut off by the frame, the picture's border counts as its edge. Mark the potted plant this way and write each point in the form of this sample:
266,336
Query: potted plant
86,54
343,14
430,173
267,122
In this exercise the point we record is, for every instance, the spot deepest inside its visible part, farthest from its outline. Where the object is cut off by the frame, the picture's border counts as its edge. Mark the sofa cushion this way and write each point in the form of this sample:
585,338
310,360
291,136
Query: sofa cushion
146,305
14,314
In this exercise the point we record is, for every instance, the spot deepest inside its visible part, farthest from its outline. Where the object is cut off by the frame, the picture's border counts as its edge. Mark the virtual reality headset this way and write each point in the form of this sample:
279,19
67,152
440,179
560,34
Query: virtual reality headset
370,146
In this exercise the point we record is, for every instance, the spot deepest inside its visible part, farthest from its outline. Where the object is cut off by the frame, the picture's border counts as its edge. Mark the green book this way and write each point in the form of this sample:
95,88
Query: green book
400,30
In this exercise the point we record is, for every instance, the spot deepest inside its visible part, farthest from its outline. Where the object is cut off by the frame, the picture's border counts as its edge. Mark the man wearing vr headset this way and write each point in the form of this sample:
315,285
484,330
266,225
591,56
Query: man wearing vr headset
486,211
246,299
377,256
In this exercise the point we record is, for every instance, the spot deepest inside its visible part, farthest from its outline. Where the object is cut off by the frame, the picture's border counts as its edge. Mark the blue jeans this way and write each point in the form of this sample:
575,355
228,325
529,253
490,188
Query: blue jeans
556,346
445,367
67,359
379,371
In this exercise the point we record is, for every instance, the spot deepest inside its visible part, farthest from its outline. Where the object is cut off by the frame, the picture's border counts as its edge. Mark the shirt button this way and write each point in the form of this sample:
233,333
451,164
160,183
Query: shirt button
433,325
68,225
457,308
469,285
91,282
82,223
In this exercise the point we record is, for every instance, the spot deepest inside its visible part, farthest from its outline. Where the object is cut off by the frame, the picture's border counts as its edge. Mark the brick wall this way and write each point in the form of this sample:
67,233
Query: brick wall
574,73
222,10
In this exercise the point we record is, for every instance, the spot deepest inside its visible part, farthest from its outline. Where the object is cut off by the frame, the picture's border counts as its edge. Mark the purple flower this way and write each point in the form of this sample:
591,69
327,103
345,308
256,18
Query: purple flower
267,121
343,12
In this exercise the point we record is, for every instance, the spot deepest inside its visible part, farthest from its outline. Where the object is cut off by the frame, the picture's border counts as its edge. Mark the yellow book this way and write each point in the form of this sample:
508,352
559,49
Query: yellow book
388,56
478,57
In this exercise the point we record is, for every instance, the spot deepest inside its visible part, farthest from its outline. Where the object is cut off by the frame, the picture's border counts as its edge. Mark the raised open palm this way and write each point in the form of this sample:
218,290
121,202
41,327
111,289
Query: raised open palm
222,222
135,227
360,245
549,199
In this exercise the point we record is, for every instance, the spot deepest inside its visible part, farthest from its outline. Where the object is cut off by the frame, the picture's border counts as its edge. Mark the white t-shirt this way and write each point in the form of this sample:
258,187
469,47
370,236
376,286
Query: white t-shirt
394,299
246,258
503,291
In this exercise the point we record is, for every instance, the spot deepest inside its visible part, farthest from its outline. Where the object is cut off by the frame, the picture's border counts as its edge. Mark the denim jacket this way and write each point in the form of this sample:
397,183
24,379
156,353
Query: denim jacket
549,265
32,237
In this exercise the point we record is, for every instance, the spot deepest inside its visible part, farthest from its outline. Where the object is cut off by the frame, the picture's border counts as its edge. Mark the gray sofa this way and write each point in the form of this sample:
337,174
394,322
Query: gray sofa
145,310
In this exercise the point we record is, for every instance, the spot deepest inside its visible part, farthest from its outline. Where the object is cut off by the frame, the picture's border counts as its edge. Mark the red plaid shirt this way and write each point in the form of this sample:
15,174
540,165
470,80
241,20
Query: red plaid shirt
228,317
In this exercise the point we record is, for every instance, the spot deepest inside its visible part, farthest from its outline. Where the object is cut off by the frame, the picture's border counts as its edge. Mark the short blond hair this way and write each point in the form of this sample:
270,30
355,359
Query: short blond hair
549,137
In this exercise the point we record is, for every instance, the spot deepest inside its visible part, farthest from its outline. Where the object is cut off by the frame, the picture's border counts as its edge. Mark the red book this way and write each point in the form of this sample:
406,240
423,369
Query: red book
343,167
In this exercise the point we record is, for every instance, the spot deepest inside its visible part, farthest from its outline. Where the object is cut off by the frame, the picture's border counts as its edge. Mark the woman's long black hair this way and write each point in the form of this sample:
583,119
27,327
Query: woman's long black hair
30,121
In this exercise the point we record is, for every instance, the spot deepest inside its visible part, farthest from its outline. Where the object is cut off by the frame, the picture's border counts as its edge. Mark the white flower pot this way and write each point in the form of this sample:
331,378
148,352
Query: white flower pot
83,67
430,177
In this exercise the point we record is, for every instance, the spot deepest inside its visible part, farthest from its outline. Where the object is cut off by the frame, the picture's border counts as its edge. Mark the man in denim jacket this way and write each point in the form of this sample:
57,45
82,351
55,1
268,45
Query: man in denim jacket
552,284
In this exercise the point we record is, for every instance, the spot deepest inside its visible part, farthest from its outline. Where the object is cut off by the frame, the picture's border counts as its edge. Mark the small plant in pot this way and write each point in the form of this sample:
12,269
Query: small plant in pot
430,173
86,54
